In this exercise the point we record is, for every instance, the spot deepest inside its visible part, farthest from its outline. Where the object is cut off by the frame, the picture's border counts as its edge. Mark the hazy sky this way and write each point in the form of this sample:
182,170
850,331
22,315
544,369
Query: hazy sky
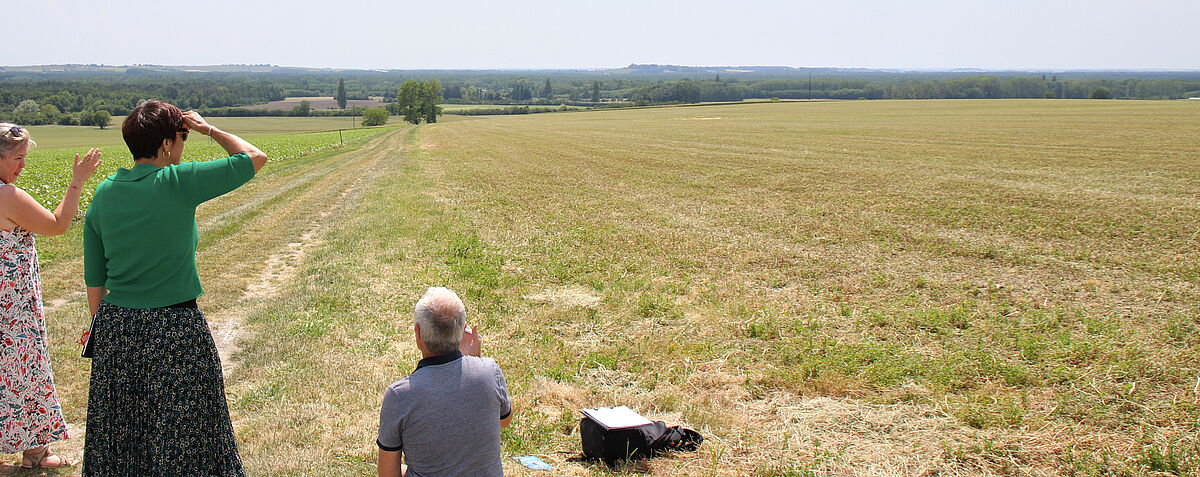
1014,34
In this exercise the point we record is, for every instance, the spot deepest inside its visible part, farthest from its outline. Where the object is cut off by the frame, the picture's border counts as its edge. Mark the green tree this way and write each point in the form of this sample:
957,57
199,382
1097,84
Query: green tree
419,100
687,92
101,118
408,101
85,117
520,91
26,112
374,117
302,109
431,95
50,114
547,91
1049,95
341,93
595,91
1100,93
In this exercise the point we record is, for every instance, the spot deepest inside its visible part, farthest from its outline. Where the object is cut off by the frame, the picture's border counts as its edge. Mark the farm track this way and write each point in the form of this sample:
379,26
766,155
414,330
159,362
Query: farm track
253,261
251,241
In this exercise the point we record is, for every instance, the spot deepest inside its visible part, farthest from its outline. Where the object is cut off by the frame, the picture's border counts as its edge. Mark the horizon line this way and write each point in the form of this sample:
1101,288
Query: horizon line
393,69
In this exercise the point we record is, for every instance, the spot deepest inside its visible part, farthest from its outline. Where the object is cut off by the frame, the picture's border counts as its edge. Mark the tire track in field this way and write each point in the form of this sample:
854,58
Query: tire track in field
328,191
242,231
277,270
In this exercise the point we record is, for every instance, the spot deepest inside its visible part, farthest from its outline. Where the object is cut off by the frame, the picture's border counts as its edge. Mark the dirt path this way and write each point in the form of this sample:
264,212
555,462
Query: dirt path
275,271
251,242
257,260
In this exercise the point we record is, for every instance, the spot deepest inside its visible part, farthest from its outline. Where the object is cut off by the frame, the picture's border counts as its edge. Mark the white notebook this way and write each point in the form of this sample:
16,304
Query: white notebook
619,417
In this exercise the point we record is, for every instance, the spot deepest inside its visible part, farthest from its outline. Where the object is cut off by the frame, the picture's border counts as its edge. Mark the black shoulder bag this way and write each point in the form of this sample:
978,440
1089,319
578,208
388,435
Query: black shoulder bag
87,338
638,442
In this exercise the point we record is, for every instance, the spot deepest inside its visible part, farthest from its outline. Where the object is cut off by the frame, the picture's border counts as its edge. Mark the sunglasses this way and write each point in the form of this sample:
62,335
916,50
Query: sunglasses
16,132
183,133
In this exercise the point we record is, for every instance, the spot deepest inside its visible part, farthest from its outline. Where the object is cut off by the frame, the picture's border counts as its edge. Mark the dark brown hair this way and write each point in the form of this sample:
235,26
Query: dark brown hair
148,124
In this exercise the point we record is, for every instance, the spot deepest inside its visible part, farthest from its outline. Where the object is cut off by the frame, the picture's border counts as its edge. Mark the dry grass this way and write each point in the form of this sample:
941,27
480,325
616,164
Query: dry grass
1031,264
874,288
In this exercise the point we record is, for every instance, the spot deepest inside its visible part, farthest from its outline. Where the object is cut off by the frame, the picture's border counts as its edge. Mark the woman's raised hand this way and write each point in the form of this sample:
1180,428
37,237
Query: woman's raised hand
229,142
84,168
193,121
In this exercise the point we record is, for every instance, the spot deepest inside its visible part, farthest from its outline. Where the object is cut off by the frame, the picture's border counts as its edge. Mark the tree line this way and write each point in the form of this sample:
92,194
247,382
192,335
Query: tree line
75,101
77,98
982,87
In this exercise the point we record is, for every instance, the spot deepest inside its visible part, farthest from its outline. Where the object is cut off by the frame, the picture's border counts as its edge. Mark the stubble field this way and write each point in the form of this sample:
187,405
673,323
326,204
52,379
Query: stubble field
874,288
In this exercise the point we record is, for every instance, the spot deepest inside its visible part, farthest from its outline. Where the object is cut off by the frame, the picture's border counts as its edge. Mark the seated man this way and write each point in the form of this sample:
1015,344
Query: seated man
446,416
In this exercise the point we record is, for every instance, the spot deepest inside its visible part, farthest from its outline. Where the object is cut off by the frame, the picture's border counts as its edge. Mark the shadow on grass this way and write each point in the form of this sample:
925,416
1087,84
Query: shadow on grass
8,469
638,466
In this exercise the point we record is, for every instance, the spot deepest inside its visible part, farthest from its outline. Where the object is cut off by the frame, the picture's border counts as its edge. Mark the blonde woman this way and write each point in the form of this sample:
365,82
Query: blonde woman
30,416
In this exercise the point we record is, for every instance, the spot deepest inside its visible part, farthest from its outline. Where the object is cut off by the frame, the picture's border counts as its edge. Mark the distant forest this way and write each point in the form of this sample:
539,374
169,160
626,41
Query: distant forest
73,94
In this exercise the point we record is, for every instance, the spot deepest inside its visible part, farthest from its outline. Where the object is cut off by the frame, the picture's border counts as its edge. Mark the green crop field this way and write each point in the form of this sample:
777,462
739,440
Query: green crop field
48,170
949,287
87,136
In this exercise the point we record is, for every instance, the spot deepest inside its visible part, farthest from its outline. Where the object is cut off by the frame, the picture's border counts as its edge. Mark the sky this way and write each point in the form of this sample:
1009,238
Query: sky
456,34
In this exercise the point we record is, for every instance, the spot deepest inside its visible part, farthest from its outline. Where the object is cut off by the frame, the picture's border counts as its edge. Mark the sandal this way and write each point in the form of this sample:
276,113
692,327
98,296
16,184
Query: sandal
37,460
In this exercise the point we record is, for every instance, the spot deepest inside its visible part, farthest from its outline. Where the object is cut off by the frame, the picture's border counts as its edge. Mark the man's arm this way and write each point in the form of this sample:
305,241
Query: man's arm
506,408
389,464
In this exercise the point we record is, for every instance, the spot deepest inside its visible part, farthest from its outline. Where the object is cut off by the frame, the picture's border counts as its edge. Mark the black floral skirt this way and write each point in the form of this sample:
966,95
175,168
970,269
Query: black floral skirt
156,403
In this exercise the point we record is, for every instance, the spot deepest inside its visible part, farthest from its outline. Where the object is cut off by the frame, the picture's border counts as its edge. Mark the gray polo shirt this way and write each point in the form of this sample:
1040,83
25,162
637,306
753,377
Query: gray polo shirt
446,417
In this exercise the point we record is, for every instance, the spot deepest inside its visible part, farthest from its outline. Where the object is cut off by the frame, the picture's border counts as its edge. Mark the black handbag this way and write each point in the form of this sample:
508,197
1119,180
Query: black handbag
90,336
638,442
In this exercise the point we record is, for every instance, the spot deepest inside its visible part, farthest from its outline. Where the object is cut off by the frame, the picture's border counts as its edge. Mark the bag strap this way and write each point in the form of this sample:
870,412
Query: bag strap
677,438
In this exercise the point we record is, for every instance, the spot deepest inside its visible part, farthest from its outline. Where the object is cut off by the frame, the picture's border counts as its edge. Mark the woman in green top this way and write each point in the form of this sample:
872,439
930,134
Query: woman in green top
156,401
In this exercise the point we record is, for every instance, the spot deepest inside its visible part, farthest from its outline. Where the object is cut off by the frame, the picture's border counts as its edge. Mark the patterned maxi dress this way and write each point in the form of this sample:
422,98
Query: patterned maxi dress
30,415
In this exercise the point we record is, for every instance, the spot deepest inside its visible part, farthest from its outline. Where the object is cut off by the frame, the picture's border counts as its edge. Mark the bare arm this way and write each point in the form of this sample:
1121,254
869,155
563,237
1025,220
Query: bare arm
23,210
472,345
95,294
231,143
389,464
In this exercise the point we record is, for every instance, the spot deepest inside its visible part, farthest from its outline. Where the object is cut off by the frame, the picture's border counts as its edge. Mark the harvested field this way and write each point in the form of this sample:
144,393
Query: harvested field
826,288
953,287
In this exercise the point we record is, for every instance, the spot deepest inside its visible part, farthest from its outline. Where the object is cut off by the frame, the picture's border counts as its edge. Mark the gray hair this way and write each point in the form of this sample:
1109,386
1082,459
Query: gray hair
441,316
8,143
